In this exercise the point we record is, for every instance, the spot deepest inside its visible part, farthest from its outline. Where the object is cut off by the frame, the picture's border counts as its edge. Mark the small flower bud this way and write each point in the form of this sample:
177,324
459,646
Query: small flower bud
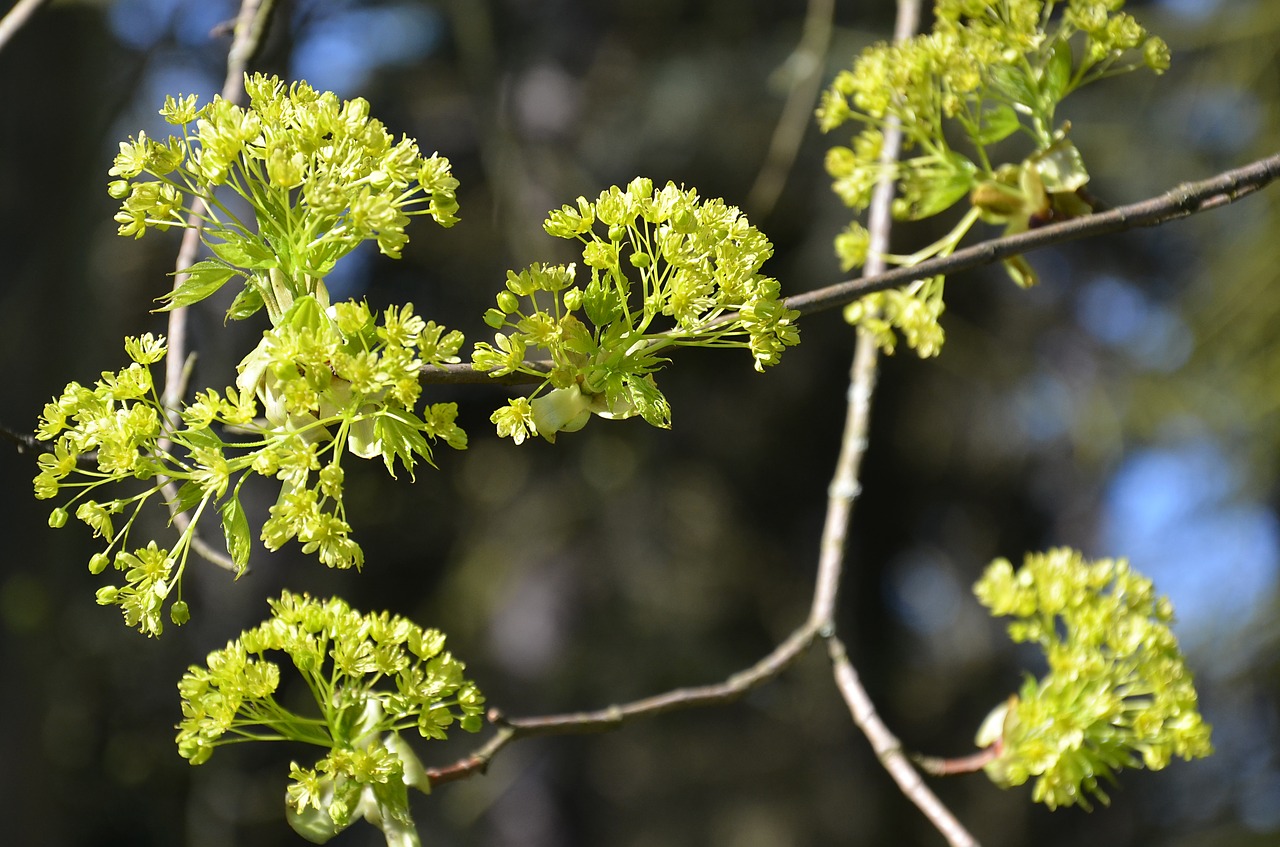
179,613
98,563
508,302
58,518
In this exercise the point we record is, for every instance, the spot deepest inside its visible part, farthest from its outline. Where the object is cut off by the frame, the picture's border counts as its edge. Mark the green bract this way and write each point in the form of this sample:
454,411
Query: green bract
666,269
320,175
372,677
1118,693
989,70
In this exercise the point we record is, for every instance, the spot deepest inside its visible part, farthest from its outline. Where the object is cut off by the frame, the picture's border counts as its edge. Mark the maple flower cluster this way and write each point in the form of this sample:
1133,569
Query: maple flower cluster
372,678
667,269
1117,694
320,174
986,72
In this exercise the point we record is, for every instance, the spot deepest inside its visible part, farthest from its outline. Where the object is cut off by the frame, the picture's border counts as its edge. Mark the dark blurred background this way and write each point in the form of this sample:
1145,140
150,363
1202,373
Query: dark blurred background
1127,406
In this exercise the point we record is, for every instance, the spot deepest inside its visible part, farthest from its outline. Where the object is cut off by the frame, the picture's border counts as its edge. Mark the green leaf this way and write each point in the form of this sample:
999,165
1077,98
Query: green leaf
1057,74
235,527
187,497
653,406
997,125
601,302
941,195
1014,85
203,279
248,302
400,434
243,251
1020,270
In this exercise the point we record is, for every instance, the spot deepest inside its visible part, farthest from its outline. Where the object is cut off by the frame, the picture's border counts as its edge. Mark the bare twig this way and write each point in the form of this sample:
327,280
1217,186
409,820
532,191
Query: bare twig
616,716
821,620
250,27
1179,202
807,62
16,17
24,442
889,750
844,489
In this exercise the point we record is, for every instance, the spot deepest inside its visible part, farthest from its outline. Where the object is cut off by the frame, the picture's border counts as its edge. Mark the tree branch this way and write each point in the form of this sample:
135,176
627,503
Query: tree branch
16,17
821,621
616,716
250,27
1181,201
889,750
844,489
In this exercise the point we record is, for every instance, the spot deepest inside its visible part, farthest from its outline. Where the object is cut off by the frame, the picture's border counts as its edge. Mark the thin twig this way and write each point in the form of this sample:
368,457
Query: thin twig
808,63
250,27
16,17
844,489
616,716
24,442
1179,202
889,750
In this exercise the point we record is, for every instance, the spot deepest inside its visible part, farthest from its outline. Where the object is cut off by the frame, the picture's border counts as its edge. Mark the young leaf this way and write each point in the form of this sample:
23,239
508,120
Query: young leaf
243,251
997,125
187,497
235,527
248,302
401,436
1057,74
203,279
651,403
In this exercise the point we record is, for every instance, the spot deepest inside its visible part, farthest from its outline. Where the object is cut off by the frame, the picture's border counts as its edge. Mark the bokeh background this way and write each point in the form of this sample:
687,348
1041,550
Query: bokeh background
1127,406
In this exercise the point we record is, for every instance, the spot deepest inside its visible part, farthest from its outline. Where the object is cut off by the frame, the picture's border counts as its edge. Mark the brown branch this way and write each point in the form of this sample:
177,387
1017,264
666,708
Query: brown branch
844,490
250,27
963,764
821,621
1179,202
889,750
16,17
616,716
